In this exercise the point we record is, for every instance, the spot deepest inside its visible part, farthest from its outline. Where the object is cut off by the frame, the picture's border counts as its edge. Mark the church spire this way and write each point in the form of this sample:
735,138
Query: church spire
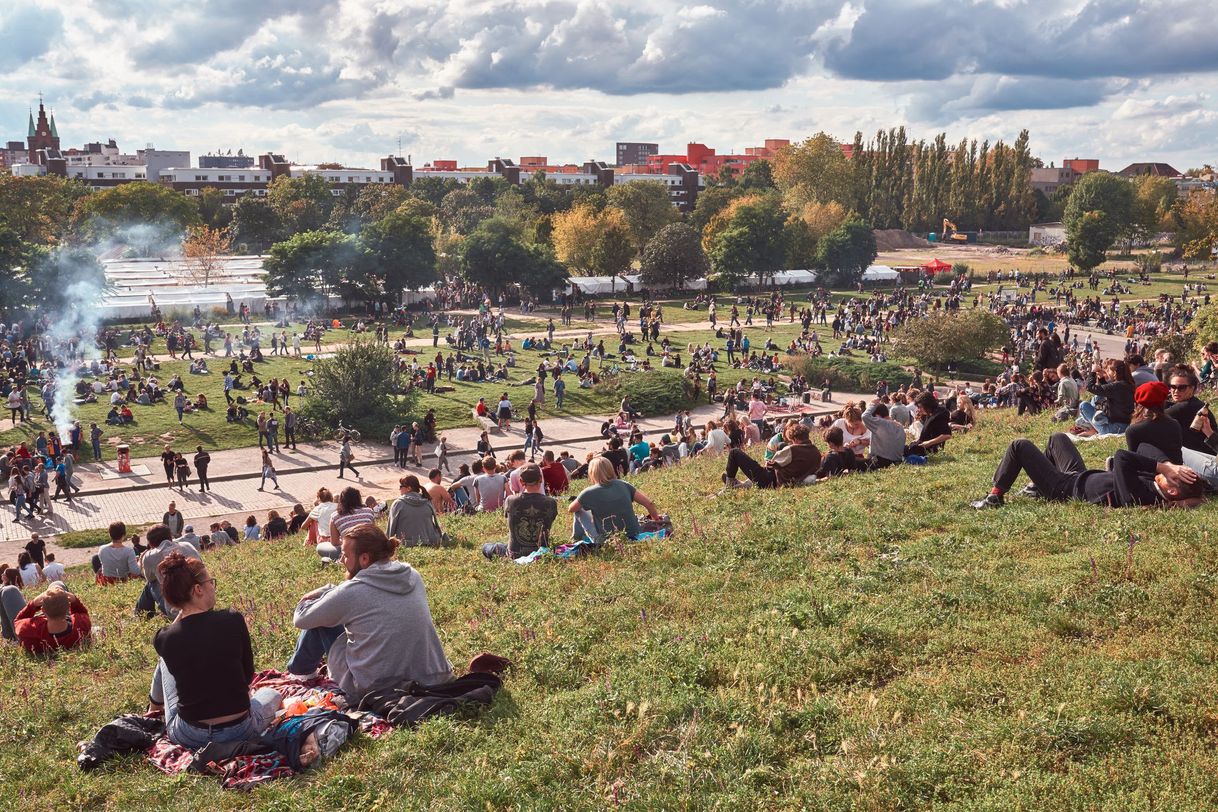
54,131
31,132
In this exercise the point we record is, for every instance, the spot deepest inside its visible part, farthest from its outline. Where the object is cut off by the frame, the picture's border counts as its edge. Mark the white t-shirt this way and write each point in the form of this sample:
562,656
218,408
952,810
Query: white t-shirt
29,575
53,571
322,514
717,440
847,436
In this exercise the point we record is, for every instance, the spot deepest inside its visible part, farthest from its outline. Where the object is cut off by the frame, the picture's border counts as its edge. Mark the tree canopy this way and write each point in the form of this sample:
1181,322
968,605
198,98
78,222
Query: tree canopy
673,256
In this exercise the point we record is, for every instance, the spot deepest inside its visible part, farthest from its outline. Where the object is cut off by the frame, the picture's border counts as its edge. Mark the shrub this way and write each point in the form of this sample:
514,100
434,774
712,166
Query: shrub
658,392
950,339
357,386
847,374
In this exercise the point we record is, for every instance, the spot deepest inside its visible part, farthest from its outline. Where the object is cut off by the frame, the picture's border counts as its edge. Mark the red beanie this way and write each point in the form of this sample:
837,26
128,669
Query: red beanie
1151,395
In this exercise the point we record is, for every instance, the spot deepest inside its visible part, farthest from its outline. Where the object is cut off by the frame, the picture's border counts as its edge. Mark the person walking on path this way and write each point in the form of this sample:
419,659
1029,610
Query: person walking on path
179,405
560,388
442,455
182,467
174,520
167,462
418,437
272,433
202,460
401,449
268,471
345,458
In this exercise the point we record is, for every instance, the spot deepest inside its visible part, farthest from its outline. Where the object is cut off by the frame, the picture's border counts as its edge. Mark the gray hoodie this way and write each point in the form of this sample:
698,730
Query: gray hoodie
413,520
389,636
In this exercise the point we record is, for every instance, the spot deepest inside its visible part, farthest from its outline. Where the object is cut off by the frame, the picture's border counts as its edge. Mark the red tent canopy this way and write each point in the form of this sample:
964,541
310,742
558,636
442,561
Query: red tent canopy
936,265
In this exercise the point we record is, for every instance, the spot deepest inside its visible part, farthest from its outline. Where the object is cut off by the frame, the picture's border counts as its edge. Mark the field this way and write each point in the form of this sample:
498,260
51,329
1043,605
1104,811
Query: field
870,644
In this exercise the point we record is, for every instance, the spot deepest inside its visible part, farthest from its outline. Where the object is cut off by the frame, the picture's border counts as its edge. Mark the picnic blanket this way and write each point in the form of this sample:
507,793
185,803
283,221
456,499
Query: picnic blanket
585,545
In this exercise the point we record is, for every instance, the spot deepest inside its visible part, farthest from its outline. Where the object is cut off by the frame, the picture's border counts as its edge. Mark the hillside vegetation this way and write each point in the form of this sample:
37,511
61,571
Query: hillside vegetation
870,643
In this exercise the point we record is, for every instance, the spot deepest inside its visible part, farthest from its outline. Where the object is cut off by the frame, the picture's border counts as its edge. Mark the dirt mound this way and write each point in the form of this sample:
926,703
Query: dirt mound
892,239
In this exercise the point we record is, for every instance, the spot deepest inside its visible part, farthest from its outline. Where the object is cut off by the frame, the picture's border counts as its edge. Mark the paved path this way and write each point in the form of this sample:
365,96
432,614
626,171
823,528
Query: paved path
235,476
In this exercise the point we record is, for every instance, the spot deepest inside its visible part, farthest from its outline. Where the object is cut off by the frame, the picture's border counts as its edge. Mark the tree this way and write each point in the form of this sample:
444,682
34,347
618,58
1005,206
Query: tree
302,203
401,253
256,226
846,252
749,241
37,208
146,217
494,257
312,263
356,386
647,207
814,170
203,247
592,243
1197,232
950,338
711,201
463,209
673,256
212,209
63,281
1100,210
1089,239
757,177
1153,201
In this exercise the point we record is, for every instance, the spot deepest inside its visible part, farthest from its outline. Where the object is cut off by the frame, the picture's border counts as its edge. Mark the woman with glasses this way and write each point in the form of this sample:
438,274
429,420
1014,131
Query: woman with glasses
206,663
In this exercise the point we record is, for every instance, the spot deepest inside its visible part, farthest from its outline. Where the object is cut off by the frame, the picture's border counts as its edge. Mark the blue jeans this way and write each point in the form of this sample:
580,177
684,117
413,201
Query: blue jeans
150,600
97,453
311,646
11,604
328,551
164,691
1091,417
1203,464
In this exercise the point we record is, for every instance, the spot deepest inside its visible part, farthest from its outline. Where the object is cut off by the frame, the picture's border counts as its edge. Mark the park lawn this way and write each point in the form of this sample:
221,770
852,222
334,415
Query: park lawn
869,643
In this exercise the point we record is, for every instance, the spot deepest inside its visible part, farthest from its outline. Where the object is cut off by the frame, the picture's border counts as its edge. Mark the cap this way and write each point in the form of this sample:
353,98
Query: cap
530,474
1152,395
190,528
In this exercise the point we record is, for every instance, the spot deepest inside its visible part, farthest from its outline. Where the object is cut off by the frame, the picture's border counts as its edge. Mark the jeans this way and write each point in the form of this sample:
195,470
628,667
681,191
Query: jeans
1204,464
737,460
19,502
583,525
97,453
311,646
11,603
164,691
1053,472
328,551
150,600
343,464
1091,417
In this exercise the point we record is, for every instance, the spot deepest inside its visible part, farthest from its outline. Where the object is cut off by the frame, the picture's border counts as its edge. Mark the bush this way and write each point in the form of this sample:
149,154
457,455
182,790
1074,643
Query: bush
1203,329
952,339
847,374
658,392
356,386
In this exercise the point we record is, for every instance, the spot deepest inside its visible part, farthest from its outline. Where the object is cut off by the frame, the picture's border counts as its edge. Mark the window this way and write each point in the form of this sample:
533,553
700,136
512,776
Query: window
230,192
192,192
200,177
101,174
241,177
336,192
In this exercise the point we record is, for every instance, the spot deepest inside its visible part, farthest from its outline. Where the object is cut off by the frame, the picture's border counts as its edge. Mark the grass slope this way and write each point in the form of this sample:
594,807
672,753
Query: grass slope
865,644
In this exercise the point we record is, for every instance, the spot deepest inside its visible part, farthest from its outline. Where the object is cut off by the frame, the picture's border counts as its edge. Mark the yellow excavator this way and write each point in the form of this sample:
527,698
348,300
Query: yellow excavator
950,232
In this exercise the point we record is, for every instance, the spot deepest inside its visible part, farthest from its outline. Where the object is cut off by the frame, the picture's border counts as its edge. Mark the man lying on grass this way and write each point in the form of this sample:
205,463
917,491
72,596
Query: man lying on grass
1059,474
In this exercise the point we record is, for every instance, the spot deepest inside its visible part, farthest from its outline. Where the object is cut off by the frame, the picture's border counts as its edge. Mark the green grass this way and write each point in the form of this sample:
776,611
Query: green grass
870,643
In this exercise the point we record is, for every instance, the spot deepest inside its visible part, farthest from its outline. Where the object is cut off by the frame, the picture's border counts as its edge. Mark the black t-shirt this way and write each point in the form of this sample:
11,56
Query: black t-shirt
529,517
837,462
936,425
212,662
1164,434
619,458
167,459
1183,413
37,550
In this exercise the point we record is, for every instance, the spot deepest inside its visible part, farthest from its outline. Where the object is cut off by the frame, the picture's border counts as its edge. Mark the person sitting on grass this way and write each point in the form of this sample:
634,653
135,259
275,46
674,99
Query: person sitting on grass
530,514
412,517
252,531
1111,409
790,465
205,665
375,628
54,620
606,506
839,459
936,426
1059,474
276,526
116,559
1151,425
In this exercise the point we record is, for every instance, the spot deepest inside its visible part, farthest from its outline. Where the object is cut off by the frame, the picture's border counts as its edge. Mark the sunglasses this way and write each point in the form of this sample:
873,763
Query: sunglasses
1179,386
211,581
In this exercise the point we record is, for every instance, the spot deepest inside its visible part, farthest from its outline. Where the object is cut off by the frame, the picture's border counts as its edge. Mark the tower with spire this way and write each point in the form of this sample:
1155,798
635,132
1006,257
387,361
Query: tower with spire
42,134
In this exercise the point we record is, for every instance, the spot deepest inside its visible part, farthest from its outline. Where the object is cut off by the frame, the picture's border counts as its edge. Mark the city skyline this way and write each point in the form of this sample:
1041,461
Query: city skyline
343,80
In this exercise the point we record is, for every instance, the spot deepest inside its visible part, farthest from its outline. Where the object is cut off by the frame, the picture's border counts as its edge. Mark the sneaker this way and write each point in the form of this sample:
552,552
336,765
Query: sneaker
1030,490
992,500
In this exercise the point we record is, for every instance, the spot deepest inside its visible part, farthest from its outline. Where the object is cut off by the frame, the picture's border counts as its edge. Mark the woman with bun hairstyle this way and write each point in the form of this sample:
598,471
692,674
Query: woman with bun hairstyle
206,664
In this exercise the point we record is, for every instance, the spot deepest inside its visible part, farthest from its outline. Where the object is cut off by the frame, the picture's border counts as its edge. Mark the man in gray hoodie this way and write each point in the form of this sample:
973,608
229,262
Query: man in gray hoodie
375,628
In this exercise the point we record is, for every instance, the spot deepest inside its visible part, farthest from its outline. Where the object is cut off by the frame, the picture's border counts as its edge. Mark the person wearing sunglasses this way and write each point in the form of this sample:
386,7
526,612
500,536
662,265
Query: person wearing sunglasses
206,664
1185,406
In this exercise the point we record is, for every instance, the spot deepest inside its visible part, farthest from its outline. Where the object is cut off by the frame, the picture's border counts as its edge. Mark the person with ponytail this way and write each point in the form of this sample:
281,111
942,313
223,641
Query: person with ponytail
206,664
375,628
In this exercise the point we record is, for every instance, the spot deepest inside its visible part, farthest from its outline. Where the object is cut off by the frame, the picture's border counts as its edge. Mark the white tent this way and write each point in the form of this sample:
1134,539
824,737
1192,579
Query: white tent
784,278
695,284
880,273
596,285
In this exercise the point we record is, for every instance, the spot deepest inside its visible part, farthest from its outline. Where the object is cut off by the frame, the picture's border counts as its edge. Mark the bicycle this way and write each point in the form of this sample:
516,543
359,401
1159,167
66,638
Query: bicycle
344,433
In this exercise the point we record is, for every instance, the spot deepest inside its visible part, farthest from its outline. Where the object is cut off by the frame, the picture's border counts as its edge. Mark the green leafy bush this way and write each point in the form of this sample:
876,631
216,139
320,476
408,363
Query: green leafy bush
658,392
848,374
950,338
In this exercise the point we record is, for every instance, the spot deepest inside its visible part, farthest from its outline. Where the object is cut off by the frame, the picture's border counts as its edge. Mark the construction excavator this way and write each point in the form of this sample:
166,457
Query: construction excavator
950,232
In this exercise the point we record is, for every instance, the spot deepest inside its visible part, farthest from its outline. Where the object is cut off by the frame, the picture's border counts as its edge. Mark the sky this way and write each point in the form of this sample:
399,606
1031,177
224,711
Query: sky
347,80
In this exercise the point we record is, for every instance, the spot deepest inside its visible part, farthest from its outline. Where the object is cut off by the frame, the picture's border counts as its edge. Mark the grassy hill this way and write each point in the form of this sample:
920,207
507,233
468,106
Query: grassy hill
865,644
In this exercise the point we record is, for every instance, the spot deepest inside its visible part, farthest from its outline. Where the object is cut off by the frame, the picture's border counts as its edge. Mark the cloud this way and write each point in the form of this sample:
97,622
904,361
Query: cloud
27,33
